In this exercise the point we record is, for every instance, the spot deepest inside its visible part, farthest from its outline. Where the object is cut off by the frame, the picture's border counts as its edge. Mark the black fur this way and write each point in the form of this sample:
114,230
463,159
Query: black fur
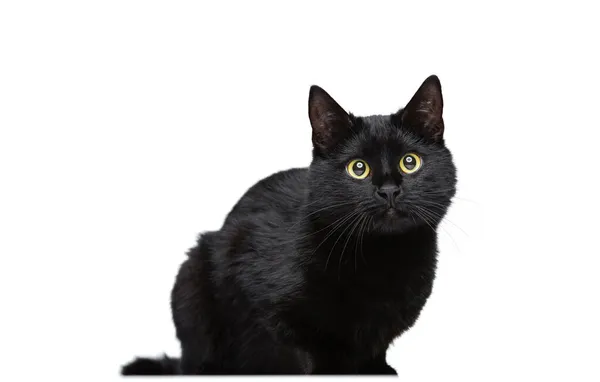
150,366
313,272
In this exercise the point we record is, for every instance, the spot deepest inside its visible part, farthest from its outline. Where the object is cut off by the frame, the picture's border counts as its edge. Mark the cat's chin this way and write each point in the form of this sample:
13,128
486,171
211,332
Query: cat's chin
392,221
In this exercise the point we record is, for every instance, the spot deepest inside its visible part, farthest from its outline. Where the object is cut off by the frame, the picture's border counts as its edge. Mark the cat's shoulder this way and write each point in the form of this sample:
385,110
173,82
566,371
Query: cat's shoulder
286,177
281,184
280,194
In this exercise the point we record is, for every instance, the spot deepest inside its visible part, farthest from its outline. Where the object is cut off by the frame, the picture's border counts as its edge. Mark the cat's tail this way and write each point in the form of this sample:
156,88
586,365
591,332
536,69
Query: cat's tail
152,366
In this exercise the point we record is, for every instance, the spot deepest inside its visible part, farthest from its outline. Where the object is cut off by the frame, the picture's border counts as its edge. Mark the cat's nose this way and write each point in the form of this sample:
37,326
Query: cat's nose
389,193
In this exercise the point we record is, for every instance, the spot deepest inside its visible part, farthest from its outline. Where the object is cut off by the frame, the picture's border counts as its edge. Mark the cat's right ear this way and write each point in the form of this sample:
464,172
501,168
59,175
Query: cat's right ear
423,113
330,123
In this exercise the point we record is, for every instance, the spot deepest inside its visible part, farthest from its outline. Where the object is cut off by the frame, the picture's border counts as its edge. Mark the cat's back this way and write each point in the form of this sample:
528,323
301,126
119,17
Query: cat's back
278,196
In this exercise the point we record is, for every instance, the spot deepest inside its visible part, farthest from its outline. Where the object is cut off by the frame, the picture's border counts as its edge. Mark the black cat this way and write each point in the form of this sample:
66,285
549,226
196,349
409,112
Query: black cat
317,270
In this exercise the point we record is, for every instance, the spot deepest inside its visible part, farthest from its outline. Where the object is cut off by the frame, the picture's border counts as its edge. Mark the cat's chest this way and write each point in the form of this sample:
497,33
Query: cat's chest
381,300
363,303
364,314
387,281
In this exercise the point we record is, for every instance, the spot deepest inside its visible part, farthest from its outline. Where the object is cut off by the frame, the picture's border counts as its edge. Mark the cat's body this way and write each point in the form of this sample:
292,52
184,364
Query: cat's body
315,271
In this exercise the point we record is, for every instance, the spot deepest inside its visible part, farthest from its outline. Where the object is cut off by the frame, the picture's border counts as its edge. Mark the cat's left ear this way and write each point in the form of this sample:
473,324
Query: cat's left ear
330,123
424,111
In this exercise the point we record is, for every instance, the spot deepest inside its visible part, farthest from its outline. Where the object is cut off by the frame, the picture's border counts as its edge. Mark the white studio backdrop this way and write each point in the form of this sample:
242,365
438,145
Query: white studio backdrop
128,127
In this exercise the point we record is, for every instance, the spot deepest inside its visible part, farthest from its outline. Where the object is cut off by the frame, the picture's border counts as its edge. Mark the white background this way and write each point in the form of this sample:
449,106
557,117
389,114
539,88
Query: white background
127,127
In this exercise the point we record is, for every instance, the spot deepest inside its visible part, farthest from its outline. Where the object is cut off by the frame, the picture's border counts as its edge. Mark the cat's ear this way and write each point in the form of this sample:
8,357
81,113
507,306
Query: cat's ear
330,123
424,111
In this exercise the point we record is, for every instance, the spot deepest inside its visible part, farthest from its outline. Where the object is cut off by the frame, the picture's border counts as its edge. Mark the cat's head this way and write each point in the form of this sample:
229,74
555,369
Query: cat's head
390,172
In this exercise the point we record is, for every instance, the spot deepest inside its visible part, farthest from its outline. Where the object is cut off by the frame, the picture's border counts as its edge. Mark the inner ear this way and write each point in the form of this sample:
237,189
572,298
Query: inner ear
330,122
423,113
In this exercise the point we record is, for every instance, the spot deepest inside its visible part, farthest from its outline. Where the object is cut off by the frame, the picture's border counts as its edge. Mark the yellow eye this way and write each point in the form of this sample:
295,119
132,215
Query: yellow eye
410,163
358,169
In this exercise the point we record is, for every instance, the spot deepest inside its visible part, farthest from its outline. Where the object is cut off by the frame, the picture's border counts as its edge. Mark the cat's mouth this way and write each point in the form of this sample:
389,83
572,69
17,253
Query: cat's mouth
392,219
391,211
395,212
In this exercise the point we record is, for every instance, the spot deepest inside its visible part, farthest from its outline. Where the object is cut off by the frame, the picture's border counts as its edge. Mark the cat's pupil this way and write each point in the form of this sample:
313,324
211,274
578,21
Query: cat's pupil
409,163
359,168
